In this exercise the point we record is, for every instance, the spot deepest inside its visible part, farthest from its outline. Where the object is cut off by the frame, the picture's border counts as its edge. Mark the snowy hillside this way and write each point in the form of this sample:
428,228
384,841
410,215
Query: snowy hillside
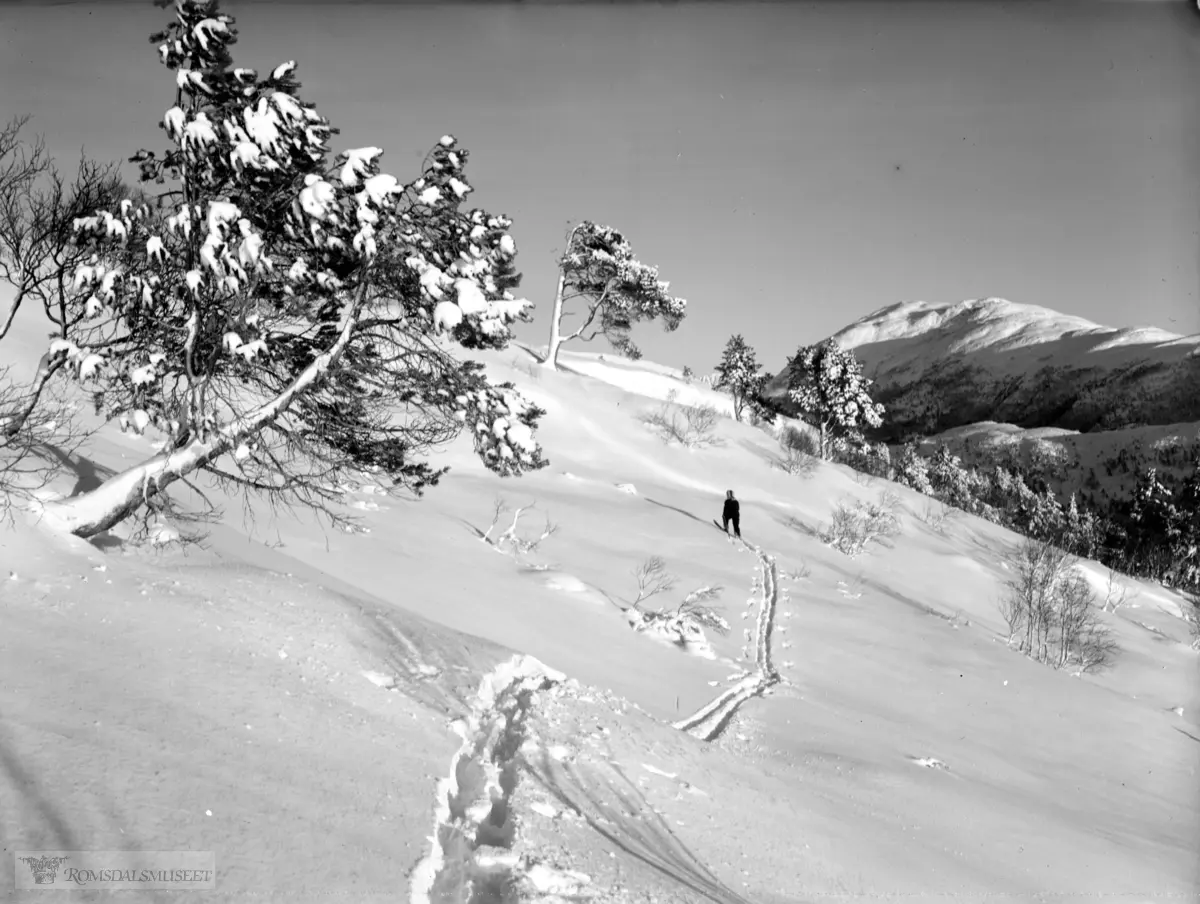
942,366
286,699
1101,466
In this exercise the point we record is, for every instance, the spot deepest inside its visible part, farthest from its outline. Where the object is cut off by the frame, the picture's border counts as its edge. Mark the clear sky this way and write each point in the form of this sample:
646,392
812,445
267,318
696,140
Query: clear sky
790,167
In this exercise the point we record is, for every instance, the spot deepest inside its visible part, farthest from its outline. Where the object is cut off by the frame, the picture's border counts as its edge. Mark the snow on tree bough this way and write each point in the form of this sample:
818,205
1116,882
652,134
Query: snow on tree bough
286,307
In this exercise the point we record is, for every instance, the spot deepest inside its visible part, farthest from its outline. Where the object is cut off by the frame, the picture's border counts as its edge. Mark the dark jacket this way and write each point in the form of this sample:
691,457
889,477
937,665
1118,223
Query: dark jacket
731,509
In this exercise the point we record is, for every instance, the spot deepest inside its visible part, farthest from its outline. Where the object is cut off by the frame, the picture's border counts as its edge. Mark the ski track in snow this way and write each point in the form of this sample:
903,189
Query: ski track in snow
710,720
475,828
471,854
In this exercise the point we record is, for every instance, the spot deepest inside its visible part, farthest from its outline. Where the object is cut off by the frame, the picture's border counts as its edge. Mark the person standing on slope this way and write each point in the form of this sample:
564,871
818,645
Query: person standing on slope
732,512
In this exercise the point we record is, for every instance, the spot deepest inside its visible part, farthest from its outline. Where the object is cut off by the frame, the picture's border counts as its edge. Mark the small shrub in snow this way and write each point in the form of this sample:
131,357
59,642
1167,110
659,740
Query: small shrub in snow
683,625
854,528
1050,610
509,541
691,616
799,452
652,579
798,464
800,573
937,515
687,374
795,438
1116,594
692,426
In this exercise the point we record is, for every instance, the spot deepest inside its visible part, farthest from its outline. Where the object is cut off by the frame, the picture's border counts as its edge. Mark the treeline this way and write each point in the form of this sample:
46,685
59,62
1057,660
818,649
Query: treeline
1154,532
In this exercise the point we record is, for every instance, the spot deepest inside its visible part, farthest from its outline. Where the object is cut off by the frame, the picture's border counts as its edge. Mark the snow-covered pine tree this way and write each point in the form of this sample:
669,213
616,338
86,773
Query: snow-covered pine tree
599,267
277,314
1081,533
1042,516
1187,505
1156,528
738,374
826,383
912,470
951,481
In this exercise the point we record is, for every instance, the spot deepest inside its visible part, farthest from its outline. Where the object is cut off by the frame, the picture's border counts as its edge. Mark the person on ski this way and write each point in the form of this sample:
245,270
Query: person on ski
732,512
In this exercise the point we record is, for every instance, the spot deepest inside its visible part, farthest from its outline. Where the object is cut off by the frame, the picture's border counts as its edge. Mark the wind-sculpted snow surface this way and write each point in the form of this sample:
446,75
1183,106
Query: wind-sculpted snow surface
591,792
479,852
709,721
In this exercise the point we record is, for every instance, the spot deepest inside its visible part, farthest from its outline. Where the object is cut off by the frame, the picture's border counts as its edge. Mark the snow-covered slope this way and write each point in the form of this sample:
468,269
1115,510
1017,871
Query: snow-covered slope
240,698
943,366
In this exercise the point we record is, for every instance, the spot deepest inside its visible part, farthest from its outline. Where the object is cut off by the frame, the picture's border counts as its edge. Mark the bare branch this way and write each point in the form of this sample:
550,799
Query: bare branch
509,542
593,310
652,578
500,508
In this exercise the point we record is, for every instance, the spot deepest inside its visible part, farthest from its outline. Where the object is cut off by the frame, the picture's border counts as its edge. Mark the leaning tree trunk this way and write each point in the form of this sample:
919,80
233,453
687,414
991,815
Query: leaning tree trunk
120,496
556,340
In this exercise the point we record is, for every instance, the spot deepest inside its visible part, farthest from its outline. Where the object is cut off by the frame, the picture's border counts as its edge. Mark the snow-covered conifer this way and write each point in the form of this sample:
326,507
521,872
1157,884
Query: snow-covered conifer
826,383
738,374
619,290
912,470
285,304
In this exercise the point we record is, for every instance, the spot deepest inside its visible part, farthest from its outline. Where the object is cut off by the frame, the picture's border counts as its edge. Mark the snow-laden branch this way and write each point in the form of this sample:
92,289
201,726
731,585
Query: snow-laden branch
286,290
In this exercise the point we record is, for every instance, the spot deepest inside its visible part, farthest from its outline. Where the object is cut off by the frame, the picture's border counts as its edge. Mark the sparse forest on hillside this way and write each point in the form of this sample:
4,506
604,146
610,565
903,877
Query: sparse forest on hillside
1146,524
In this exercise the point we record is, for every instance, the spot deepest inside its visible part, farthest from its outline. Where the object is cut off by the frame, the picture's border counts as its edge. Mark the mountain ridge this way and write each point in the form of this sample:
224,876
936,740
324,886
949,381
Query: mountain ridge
938,367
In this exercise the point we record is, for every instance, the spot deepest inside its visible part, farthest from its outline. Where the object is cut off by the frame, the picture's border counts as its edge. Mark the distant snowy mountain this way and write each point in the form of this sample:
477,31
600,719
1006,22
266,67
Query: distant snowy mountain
938,367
